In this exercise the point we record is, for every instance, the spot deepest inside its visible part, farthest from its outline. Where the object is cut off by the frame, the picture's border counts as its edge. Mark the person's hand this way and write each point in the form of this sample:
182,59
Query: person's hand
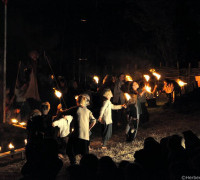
124,105
100,120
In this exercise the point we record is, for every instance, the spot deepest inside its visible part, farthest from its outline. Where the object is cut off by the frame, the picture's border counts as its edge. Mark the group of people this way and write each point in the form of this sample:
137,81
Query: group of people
71,127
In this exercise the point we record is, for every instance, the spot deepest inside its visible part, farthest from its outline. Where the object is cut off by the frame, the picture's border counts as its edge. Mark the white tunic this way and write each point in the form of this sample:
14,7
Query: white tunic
106,111
64,125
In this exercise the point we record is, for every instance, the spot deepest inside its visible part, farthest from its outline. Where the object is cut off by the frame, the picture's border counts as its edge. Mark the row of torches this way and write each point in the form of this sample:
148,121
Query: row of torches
96,79
11,146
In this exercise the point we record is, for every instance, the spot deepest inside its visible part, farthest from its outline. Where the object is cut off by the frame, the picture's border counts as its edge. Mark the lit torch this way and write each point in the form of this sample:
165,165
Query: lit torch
128,78
148,88
22,123
14,121
11,147
96,78
156,75
25,141
76,97
181,83
152,70
147,77
58,93
127,96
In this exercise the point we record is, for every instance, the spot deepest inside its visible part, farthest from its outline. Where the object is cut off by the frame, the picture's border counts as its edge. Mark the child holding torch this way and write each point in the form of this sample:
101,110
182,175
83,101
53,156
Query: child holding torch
105,117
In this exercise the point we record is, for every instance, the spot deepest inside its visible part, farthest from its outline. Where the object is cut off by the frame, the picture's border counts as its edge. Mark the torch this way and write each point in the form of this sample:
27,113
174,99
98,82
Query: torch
148,88
58,94
128,78
14,121
147,77
96,79
11,148
181,83
127,97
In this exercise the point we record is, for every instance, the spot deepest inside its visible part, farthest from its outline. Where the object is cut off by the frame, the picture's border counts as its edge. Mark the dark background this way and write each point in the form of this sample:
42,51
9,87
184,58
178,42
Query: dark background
116,33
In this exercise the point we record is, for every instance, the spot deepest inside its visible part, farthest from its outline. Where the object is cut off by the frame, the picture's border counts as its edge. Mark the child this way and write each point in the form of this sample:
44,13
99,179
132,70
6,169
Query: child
83,121
105,117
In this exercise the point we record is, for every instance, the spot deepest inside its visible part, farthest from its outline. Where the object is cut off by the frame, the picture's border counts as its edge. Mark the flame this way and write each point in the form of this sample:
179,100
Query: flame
157,75
152,70
76,97
128,78
11,146
22,123
25,141
148,88
96,78
58,93
157,93
0,148
127,96
147,77
181,83
14,121
17,111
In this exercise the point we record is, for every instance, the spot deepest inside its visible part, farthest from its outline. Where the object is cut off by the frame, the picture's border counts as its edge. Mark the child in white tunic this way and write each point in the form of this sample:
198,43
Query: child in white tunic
105,117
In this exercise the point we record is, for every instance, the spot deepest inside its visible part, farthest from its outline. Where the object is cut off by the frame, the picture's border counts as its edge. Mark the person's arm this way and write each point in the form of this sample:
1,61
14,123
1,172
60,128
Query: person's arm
102,110
116,107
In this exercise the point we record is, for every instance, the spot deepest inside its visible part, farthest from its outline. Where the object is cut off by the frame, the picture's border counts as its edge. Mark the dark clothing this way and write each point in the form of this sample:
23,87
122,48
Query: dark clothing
144,117
76,146
106,131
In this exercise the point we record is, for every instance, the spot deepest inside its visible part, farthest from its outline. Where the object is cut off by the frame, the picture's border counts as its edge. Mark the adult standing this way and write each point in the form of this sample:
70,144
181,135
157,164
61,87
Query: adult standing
118,98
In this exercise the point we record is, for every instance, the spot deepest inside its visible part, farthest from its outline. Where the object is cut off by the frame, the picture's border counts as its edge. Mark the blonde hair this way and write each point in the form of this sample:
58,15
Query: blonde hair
107,93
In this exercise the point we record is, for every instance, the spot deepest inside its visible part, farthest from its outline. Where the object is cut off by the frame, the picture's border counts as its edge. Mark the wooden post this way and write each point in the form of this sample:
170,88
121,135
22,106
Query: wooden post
1,92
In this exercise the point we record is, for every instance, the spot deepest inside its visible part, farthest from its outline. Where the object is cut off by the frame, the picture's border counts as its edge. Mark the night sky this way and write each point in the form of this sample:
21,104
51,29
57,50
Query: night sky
115,33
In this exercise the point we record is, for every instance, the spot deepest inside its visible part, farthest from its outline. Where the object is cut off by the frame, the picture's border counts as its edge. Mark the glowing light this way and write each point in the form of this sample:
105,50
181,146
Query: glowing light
58,93
22,123
127,96
148,88
147,77
96,78
152,70
157,93
76,97
25,141
128,78
0,148
14,121
52,76
11,146
181,83
156,75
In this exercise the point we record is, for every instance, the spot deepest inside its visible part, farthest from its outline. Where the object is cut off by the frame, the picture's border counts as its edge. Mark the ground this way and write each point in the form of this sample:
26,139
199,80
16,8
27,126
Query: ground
164,121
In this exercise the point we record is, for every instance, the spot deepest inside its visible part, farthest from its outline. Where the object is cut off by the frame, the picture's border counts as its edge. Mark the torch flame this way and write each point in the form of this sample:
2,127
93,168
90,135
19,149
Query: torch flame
0,148
11,146
76,97
25,141
58,93
128,78
152,70
147,77
148,88
22,123
96,78
14,121
157,75
127,96
181,83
